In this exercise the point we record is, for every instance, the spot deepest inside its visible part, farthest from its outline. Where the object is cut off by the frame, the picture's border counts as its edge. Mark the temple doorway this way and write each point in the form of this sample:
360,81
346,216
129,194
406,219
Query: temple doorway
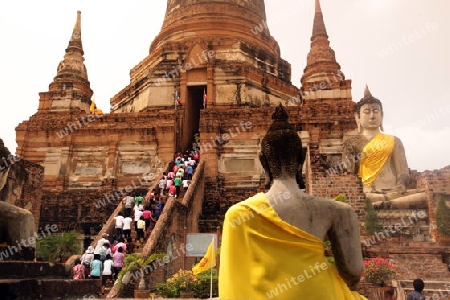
194,104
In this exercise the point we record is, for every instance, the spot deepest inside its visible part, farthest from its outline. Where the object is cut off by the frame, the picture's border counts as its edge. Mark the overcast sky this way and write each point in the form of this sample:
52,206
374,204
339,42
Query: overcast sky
400,48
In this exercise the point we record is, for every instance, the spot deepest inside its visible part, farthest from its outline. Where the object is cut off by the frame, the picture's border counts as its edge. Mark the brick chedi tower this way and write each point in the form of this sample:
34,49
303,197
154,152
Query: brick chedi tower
90,159
327,110
216,49
80,149
48,135
70,89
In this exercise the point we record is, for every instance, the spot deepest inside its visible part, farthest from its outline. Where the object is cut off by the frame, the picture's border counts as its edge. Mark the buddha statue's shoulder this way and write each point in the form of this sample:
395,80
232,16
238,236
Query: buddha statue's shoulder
252,203
354,142
358,141
305,204
397,142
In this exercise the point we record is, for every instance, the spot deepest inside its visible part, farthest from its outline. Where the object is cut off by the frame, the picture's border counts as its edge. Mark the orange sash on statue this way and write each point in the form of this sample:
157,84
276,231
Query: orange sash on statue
375,155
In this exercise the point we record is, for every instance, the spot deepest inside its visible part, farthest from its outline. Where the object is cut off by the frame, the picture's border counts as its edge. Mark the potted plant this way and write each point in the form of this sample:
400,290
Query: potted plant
135,266
378,271
181,285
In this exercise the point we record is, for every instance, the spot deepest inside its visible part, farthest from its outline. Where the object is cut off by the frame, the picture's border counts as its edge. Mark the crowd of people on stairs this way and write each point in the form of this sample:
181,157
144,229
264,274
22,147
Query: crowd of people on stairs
106,259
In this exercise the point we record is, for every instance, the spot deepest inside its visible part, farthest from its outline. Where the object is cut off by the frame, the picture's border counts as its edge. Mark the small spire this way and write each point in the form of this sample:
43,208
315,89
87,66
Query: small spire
76,34
318,8
319,28
75,43
73,62
367,93
321,59
70,89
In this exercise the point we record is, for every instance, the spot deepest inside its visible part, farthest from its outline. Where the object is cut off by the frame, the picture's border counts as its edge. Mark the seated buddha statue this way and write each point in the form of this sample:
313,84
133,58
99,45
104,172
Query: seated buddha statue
273,242
379,159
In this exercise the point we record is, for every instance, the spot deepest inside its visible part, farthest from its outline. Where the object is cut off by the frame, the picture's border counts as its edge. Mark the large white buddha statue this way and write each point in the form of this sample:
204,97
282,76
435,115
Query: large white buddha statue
379,159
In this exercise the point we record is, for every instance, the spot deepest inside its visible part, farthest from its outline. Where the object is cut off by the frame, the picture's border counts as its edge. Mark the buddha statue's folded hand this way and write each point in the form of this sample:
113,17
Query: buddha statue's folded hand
401,189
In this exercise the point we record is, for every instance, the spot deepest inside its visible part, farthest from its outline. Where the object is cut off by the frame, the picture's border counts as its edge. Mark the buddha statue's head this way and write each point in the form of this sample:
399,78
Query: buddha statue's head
369,112
281,149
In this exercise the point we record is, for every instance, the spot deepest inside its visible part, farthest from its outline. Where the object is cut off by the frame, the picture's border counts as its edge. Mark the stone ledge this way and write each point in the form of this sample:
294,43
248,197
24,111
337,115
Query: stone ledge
23,269
48,289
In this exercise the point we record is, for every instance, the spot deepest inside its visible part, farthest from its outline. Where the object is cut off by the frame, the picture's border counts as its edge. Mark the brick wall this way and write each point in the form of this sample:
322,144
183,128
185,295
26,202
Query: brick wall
78,209
101,144
434,183
329,186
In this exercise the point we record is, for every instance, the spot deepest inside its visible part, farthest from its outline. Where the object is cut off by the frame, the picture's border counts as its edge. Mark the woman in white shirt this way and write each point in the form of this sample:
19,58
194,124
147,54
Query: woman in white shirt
107,271
127,226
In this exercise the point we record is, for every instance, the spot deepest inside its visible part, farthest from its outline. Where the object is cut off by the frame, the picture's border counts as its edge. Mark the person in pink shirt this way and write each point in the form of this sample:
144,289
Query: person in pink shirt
172,191
120,244
197,156
147,214
169,182
78,270
118,258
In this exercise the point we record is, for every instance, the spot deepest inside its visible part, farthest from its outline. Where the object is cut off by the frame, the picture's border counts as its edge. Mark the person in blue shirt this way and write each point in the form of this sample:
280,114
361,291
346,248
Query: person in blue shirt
158,208
418,285
190,171
96,267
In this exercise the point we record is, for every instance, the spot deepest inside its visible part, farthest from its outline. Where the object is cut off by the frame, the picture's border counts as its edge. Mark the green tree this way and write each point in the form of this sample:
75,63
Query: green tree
442,217
58,246
371,225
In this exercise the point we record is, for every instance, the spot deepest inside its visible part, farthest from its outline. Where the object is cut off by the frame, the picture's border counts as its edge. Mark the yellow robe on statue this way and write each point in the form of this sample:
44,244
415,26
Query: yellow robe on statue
263,257
375,155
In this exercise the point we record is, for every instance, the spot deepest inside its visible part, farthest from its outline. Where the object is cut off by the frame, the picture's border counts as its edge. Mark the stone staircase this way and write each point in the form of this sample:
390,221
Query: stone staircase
155,234
410,224
139,245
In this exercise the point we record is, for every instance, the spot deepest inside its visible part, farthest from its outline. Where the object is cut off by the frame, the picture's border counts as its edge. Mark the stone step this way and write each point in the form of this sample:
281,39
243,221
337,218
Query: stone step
405,223
408,215
405,230
429,284
233,181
